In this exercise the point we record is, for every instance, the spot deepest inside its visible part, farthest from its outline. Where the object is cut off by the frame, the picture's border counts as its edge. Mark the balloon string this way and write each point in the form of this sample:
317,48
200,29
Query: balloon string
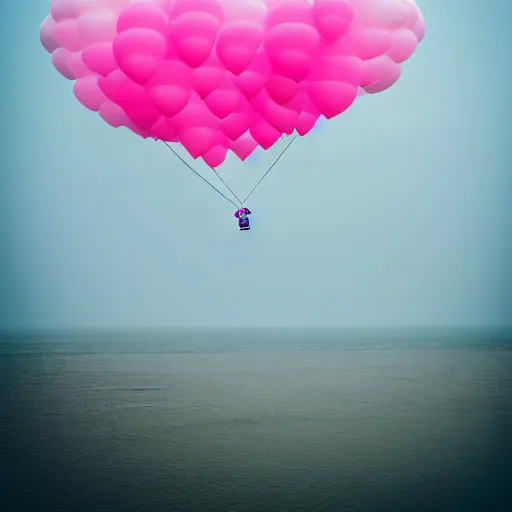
270,168
218,175
205,180
225,184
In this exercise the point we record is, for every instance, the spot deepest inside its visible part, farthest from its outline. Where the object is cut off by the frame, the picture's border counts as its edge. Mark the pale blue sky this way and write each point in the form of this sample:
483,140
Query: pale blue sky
396,213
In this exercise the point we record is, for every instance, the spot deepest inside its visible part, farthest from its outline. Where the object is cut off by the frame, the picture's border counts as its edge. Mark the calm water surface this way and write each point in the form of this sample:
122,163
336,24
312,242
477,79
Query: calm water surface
253,422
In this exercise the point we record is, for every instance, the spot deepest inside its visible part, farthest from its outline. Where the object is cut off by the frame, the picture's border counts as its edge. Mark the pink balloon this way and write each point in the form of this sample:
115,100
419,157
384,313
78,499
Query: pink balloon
219,75
99,58
65,9
97,24
88,93
380,74
254,11
77,67
419,28
403,44
60,59
68,36
46,35
368,43
113,114
332,98
341,68
388,14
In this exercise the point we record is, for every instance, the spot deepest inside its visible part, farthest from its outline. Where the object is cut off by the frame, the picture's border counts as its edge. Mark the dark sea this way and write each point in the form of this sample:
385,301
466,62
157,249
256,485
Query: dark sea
255,421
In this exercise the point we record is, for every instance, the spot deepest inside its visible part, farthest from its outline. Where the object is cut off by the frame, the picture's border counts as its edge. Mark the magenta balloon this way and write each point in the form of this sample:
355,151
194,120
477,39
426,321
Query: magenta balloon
263,133
292,49
292,11
99,58
251,81
219,75
281,118
135,101
224,100
305,123
244,145
172,72
208,77
112,84
281,89
163,129
143,118
236,124
169,99
194,35
332,18
195,114
197,140
237,45
215,156
212,7
143,15
139,52
170,88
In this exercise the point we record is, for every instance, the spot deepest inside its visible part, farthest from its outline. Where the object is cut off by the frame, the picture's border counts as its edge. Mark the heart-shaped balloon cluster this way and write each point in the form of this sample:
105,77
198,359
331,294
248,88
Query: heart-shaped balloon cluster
219,75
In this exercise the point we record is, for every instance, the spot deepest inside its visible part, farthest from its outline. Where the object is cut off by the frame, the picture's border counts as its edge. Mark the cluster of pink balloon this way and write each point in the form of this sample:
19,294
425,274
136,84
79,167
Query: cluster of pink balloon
219,75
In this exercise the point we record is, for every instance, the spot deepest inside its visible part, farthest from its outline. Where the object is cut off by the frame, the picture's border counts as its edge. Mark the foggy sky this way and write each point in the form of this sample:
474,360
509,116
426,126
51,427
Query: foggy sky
396,213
